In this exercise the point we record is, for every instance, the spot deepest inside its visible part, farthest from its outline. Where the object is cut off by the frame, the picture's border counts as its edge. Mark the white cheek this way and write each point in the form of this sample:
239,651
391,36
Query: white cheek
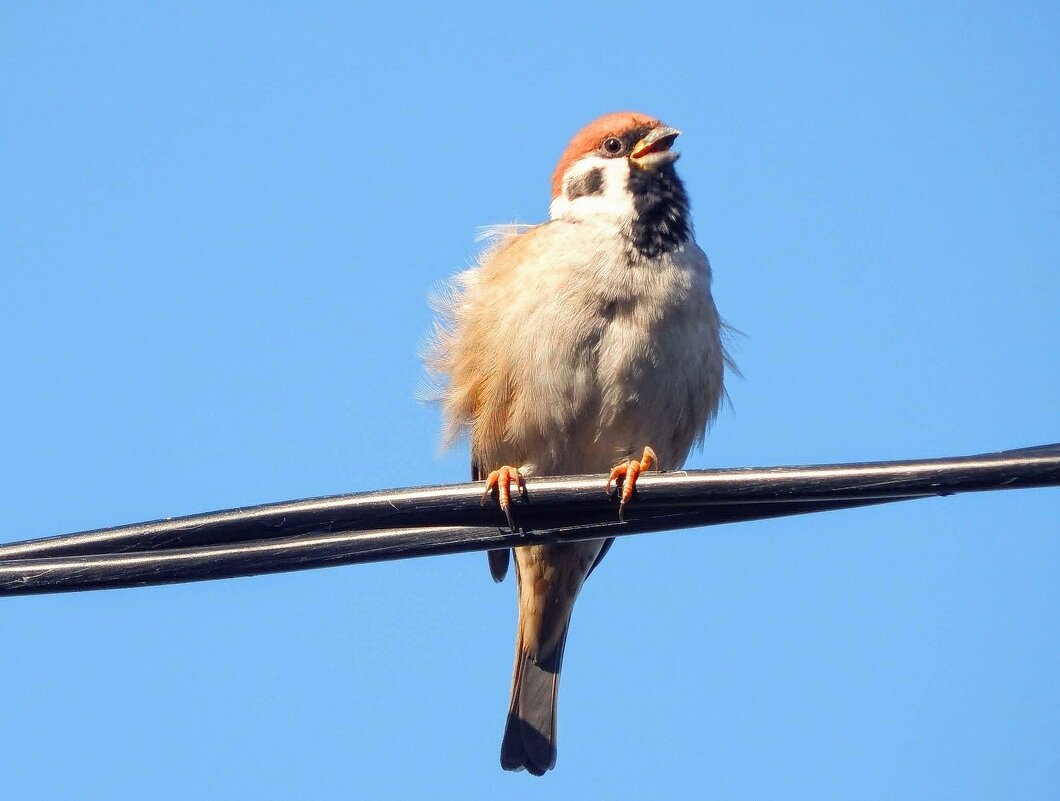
614,202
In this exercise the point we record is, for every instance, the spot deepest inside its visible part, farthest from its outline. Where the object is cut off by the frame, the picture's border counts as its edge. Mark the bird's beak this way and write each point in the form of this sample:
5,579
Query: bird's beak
655,147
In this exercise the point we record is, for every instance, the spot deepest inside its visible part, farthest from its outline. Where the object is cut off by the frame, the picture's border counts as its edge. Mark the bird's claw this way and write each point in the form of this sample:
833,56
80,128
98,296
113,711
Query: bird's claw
627,473
501,480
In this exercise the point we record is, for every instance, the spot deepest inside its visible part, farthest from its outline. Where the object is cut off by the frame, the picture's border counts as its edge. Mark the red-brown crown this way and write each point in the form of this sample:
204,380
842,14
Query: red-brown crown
589,138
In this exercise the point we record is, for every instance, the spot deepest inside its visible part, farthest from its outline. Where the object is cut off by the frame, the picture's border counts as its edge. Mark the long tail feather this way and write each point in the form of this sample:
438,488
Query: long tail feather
530,732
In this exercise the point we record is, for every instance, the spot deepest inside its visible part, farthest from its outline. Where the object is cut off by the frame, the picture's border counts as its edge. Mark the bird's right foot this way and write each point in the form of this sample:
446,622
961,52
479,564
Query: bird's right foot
501,481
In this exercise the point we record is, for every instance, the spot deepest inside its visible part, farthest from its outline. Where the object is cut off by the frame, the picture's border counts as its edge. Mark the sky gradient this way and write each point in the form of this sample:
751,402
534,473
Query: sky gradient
219,227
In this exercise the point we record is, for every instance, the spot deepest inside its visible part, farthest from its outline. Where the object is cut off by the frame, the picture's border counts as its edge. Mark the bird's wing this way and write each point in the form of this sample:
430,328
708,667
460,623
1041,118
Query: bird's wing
600,556
498,559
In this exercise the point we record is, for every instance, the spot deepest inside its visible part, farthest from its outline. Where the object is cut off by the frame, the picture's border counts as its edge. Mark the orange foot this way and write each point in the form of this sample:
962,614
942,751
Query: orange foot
501,480
628,472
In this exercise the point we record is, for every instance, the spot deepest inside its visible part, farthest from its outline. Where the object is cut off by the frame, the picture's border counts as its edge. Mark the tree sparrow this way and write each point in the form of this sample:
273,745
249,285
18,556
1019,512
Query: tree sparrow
573,347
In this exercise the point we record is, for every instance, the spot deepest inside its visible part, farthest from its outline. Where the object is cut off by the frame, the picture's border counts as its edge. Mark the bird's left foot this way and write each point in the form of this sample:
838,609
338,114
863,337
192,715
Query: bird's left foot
627,472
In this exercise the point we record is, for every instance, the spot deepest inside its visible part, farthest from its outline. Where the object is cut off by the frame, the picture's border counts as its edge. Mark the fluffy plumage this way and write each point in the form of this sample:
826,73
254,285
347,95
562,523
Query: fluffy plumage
567,349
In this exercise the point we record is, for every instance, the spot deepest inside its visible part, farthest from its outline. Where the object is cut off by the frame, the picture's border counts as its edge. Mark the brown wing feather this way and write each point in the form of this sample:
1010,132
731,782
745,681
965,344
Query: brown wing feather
479,391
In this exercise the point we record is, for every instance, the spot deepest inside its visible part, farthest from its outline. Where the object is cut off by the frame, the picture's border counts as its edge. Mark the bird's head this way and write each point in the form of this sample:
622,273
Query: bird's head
621,167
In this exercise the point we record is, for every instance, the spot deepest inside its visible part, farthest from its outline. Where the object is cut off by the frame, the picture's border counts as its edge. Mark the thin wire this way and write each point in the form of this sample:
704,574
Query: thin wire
404,523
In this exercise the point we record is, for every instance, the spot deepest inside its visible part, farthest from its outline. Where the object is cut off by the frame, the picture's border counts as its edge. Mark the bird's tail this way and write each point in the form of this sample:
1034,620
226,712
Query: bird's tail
530,732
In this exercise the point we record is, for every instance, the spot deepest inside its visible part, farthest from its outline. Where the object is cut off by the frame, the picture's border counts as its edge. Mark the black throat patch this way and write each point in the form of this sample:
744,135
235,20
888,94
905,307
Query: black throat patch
590,182
660,203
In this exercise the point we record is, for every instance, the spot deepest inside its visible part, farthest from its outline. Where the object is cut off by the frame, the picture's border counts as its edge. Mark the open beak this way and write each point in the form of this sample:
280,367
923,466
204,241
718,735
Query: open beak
655,147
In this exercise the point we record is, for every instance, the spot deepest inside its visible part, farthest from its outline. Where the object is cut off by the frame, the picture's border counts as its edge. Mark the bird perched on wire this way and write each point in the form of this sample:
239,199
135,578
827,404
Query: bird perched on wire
587,343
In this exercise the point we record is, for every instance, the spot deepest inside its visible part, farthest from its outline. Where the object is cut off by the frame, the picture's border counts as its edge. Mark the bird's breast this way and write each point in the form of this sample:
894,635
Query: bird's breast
621,361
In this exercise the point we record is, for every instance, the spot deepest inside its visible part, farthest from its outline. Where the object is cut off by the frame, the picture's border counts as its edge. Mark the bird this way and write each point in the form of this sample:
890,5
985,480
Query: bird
587,343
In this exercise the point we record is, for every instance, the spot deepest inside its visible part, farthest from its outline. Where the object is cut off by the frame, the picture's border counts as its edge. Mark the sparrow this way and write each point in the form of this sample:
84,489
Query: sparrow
588,343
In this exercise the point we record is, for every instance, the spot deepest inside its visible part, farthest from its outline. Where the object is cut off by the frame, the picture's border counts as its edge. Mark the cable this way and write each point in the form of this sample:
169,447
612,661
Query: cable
404,523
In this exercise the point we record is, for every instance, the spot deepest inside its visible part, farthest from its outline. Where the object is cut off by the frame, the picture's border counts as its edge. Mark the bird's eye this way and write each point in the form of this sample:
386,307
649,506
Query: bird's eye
613,146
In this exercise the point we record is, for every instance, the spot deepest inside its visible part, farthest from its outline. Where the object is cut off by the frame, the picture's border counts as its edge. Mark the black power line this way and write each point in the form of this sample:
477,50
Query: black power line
424,521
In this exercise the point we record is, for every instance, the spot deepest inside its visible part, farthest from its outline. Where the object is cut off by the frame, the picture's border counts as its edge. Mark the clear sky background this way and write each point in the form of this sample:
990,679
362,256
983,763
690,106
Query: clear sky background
218,229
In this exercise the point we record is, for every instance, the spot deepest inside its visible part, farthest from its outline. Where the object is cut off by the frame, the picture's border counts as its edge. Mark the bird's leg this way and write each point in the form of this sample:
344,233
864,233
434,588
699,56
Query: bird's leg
627,473
501,480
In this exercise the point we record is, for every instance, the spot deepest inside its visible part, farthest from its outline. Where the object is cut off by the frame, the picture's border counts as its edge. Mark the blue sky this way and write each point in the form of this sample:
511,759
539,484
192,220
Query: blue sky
219,225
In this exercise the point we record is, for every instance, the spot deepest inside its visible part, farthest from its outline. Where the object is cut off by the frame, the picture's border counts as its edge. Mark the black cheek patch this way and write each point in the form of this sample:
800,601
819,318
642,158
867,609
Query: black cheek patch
589,183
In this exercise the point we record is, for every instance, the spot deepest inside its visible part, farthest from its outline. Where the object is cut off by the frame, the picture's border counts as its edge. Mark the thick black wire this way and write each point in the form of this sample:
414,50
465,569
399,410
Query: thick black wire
398,524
